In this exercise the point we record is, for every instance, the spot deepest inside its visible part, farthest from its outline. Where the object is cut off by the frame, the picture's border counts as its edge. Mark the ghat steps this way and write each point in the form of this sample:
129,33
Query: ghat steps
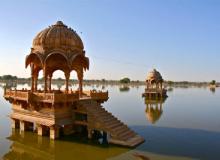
120,133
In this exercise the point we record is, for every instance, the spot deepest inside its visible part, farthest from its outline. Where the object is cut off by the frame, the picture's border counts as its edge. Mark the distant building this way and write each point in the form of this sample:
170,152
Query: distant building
154,86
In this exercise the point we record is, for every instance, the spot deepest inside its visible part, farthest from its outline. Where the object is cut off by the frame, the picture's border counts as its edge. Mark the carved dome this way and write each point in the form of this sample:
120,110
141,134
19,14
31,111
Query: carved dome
57,36
154,76
57,48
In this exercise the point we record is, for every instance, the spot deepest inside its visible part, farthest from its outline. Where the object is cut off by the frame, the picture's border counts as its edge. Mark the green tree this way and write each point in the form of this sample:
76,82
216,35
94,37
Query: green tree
125,80
213,82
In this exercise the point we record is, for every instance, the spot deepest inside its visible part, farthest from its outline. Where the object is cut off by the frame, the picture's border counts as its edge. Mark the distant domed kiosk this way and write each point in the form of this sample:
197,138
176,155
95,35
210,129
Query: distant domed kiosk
154,86
51,112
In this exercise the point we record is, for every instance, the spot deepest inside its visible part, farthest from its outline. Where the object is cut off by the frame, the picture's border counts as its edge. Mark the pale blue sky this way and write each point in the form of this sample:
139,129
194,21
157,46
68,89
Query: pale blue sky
121,37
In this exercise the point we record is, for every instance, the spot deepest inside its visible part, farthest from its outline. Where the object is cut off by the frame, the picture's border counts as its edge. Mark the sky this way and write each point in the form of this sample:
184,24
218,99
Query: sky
122,38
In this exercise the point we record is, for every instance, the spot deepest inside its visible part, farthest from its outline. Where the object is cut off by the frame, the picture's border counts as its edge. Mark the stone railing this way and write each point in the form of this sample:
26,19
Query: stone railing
29,96
42,97
53,97
155,90
99,95
62,97
16,94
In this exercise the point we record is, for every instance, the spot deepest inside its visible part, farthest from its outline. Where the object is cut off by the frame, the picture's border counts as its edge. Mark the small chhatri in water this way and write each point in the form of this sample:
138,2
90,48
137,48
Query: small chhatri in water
154,86
51,112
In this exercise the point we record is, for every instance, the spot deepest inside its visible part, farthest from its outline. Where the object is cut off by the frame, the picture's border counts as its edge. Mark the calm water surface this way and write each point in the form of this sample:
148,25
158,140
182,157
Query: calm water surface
186,126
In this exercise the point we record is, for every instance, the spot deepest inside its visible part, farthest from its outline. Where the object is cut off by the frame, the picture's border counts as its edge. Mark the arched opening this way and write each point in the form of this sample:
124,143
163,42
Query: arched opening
59,80
54,62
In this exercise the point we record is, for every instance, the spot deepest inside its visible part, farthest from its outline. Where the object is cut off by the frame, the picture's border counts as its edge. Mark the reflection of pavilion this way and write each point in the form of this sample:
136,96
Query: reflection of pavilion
154,109
50,112
124,88
29,146
212,89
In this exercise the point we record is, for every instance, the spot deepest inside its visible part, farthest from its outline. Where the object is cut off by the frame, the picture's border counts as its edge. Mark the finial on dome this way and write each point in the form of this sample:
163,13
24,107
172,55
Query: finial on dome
59,23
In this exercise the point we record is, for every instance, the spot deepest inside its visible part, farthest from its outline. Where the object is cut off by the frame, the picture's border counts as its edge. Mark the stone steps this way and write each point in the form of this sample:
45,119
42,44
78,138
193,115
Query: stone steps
119,132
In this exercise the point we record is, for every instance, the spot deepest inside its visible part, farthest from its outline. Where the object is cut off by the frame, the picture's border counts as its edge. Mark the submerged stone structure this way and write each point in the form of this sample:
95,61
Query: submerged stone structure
154,86
54,112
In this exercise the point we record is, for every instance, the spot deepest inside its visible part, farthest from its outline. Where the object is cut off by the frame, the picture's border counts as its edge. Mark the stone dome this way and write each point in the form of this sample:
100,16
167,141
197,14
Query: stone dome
58,36
154,75
58,47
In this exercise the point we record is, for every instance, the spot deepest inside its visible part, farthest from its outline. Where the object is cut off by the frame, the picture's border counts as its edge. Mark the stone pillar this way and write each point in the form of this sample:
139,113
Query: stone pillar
41,130
89,133
67,76
32,83
13,123
35,81
32,77
49,80
54,132
45,79
22,126
80,78
148,85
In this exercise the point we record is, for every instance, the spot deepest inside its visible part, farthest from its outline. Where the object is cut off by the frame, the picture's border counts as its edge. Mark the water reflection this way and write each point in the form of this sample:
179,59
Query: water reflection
170,89
124,88
212,89
154,109
26,146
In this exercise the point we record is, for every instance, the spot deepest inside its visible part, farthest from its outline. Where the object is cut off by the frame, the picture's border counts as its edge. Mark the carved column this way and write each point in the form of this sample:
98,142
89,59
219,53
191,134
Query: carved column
147,84
89,133
80,78
22,126
67,76
45,79
41,130
54,132
35,80
32,77
14,123
49,80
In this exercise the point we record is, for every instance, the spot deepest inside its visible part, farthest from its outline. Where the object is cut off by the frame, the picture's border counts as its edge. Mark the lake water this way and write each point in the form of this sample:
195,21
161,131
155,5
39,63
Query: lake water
187,126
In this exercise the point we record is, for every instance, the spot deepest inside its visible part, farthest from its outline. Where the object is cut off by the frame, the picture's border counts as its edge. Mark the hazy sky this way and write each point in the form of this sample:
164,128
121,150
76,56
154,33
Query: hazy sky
181,38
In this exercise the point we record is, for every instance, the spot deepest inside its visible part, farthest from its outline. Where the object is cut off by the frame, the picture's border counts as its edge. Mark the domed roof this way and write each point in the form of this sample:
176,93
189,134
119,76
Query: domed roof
154,75
58,36
58,47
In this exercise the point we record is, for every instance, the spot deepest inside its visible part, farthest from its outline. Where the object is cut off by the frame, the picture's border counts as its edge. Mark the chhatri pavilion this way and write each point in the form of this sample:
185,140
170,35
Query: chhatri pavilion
154,86
155,95
51,112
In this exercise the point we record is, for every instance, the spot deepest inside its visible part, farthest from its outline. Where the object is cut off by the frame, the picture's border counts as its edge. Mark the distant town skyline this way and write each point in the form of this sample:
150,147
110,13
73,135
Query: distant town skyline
125,38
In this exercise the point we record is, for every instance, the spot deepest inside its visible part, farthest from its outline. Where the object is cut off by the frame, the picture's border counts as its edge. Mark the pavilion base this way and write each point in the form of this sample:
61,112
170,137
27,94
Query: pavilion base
155,94
67,114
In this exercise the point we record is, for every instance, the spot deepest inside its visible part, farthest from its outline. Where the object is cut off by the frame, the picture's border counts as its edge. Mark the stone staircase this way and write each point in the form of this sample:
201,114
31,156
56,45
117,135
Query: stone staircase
120,134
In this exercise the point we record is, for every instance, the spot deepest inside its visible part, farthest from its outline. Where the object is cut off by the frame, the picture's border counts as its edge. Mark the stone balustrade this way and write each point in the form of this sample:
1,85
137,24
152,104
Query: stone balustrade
99,95
20,95
52,97
153,90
